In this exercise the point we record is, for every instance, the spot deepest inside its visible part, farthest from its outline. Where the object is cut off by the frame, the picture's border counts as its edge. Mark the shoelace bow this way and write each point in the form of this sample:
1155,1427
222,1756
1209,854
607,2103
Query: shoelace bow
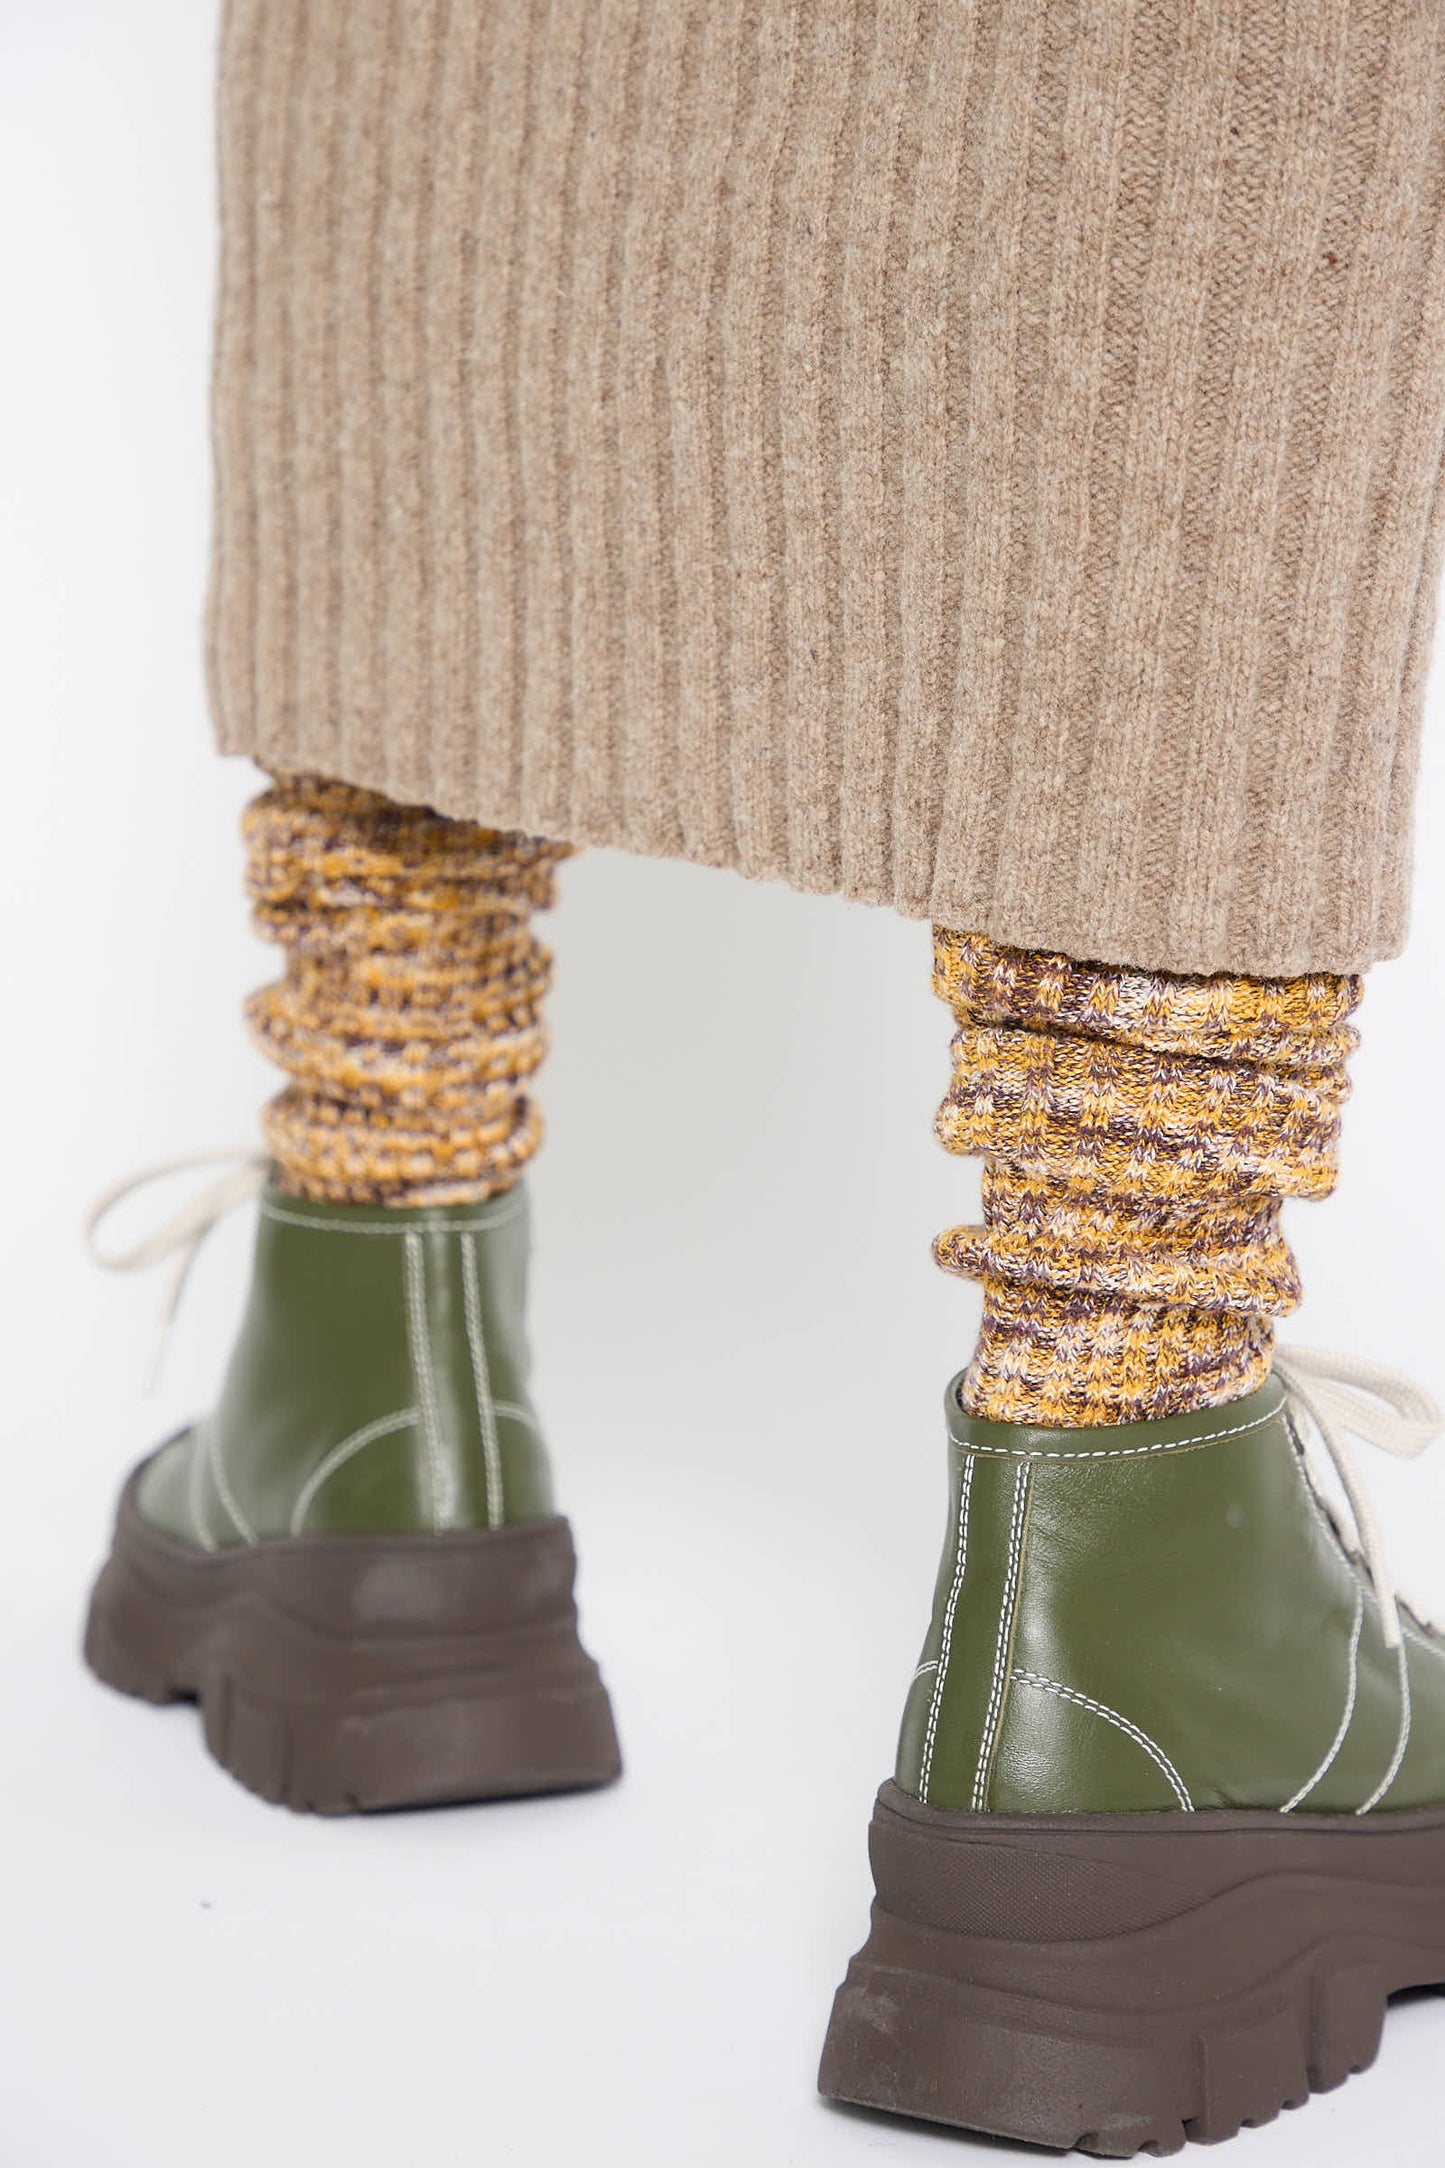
1337,1394
181,1236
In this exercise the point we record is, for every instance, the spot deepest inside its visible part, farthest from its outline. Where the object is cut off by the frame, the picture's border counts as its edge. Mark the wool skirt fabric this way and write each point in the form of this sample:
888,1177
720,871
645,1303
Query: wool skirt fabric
982,457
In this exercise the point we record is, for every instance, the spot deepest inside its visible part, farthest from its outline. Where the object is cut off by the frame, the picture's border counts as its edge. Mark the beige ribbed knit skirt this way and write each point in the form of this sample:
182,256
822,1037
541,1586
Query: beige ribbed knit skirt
978,456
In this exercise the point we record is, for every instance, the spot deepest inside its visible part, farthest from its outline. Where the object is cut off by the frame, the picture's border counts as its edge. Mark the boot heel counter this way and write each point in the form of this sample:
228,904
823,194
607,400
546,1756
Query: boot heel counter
482,1462
496,1265
983,1729
378,1383
959,1695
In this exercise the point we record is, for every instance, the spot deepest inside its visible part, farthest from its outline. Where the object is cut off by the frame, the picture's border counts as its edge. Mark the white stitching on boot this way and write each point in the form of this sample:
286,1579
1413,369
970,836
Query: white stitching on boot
1151,1747
223,1485
946,1645
199,1520
383,1427
414,1258
437,1226
1023,1479
1130,1452
1352,1685
482,1380
1402,1740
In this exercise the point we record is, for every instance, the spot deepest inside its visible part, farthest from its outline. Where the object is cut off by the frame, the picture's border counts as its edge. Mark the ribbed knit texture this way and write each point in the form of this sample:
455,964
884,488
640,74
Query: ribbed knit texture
982,456
1139,1133
409,1019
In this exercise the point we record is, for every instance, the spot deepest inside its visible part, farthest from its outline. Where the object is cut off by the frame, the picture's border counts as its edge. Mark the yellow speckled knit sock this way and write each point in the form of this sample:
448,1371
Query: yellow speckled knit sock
409,1018
1139,1133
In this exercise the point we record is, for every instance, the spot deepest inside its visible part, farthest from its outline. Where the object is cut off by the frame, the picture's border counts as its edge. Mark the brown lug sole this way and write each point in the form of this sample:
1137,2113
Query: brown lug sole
340,1673
1112,1982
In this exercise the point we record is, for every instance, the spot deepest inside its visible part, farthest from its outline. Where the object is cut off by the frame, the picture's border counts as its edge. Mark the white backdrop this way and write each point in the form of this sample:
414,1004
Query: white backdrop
742,1344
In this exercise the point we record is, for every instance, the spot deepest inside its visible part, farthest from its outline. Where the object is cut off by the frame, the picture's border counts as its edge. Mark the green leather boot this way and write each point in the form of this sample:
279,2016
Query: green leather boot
1168,1820
353,1564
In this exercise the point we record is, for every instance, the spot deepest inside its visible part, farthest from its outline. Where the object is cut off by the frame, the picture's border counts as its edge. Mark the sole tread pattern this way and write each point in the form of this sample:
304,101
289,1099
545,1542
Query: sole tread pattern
1202,1975
351,1674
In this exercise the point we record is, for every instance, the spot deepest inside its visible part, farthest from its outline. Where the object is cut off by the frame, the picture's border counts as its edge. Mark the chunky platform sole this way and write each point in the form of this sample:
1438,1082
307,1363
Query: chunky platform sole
1112,1982
341,1673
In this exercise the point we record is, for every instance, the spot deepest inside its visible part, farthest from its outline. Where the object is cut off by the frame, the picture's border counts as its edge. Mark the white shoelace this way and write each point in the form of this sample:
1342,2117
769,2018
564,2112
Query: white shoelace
181,1236
1339,1394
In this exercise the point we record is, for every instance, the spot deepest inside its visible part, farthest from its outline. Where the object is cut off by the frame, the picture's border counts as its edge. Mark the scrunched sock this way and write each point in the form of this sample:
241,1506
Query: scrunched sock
409,1018
1139,1132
